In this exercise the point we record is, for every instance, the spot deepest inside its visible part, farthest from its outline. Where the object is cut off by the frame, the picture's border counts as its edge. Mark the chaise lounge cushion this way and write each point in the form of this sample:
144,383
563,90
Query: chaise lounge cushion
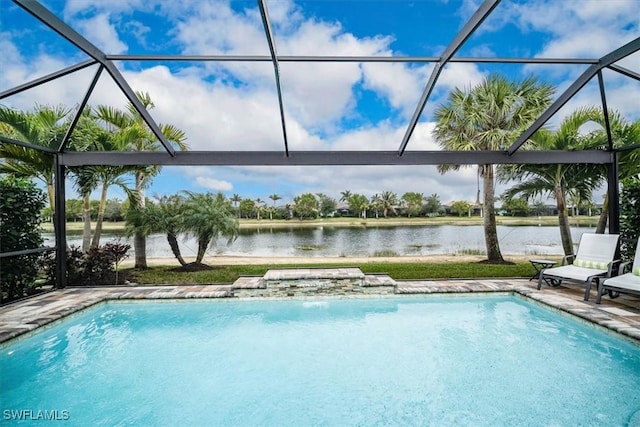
626,281
575,272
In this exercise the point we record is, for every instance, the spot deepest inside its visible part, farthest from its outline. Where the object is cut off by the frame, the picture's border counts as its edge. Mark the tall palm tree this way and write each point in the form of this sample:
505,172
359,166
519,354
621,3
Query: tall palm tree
489,116
207,217
44,126
132,134
563,182
274,197
88,178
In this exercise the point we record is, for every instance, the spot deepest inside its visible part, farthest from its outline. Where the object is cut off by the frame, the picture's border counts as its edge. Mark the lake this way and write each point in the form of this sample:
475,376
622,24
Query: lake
326,241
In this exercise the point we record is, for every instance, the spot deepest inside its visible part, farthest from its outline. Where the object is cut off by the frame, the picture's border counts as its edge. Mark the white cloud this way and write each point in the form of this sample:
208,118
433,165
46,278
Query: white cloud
216,28
213,184
398,83
589,28
75,8
19,68
102,33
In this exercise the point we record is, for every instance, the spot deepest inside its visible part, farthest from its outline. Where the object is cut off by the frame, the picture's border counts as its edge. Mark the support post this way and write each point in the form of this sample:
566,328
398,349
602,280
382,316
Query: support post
59,222
613,190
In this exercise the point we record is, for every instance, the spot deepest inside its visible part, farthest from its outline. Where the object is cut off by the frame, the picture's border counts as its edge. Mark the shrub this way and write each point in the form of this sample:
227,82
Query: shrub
21,203
629,217
95,267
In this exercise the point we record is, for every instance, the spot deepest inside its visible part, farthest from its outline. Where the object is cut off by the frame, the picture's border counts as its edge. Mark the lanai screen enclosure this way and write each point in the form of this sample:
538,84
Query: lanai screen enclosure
115,64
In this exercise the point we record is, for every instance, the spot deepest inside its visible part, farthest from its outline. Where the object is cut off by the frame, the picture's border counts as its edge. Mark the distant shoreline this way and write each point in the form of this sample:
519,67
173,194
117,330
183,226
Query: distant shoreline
354,261
369,222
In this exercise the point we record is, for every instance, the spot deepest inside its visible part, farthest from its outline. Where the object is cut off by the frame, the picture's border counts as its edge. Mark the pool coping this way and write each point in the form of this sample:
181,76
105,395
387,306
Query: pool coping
621,316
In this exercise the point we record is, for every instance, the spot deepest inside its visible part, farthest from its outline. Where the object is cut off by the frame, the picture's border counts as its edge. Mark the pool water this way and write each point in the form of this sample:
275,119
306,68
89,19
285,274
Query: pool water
404,361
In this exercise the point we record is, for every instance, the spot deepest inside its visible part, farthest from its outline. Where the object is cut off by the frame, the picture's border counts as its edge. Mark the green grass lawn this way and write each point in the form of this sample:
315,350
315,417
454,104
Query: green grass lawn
410,270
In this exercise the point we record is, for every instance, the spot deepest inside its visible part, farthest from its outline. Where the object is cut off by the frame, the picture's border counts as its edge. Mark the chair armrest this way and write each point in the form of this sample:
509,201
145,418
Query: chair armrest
568,259
613,269
623,266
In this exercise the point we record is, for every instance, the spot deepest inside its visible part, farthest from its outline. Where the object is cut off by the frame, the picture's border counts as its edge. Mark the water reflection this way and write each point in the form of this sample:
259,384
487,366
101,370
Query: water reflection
326,241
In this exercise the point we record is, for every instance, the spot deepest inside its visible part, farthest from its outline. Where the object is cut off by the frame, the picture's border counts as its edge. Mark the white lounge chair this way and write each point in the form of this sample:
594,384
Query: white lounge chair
625,283
593,260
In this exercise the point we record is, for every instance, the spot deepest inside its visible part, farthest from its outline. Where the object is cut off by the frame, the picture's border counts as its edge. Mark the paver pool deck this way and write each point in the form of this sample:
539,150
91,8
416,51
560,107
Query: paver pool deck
621,315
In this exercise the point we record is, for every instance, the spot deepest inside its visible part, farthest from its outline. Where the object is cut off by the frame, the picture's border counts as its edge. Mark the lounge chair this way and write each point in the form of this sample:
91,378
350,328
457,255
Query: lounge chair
624,283
593,260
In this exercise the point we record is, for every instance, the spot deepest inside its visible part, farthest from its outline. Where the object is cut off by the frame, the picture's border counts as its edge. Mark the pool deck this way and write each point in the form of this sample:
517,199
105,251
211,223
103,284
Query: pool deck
621,315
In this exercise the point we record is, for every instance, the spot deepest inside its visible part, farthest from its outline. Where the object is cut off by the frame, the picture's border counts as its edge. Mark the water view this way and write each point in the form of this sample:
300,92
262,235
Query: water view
364,241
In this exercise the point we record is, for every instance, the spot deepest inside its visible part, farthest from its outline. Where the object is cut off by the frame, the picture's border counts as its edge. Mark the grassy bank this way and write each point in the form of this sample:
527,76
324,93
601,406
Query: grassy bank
398,271
76,227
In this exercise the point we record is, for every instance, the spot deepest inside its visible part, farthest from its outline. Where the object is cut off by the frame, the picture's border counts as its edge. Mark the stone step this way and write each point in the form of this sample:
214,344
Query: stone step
249,282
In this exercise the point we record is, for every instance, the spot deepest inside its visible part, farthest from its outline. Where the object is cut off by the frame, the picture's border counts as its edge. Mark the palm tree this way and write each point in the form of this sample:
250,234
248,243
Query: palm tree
132,134
562,181
389,200
274,197
489,116
236,199
624,133
207,217
88,178
167,217
259,207
346,196
376,203
46,127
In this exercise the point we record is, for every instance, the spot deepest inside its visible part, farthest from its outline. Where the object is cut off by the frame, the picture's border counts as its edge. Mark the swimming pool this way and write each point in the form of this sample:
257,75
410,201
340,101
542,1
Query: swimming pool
403,361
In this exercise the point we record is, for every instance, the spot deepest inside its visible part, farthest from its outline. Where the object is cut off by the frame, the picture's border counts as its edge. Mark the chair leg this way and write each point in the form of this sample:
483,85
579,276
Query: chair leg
540,279
588,285
600,290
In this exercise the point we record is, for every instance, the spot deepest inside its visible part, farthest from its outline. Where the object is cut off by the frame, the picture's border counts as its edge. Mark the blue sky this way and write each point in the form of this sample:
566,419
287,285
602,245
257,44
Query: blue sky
328,106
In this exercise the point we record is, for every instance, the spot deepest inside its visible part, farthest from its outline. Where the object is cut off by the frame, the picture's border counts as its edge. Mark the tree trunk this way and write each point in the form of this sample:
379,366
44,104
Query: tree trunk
139,239
86,217
490,227
175,248
604,216
563,221
52,200
103,200
203,243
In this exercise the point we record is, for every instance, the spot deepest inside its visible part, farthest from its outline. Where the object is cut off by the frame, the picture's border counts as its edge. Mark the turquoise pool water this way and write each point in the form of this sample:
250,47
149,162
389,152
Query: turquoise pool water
413,361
